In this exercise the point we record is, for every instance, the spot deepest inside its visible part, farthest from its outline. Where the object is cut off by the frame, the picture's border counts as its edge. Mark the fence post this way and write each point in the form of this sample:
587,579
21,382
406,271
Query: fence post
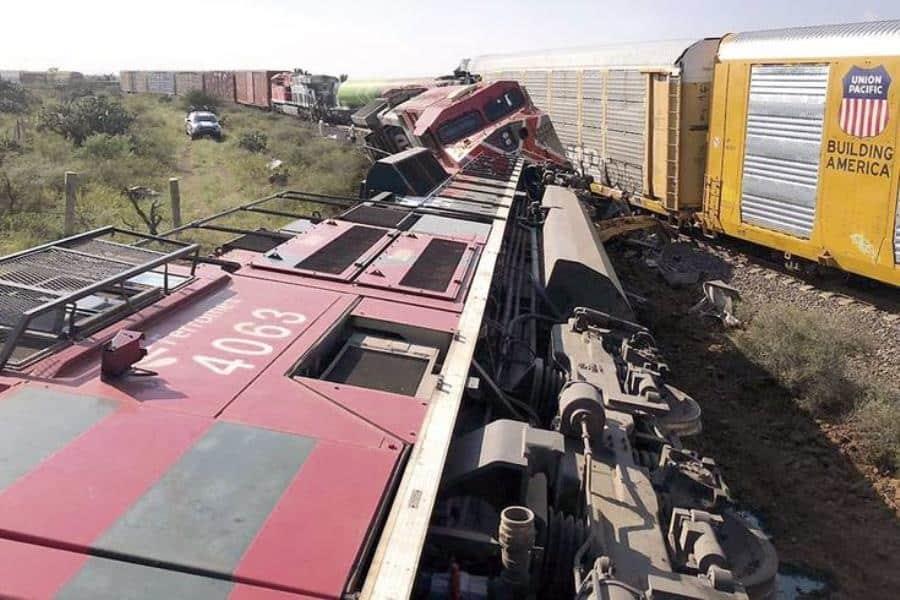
71,188
175,197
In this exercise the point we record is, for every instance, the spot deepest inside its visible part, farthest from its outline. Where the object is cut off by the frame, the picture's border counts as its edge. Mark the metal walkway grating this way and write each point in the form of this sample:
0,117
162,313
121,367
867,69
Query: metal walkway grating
114,251
15,301
58,270
496,167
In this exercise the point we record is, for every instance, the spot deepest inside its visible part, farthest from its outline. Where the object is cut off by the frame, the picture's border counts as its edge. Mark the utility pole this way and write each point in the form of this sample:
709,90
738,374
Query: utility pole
175,198
71,188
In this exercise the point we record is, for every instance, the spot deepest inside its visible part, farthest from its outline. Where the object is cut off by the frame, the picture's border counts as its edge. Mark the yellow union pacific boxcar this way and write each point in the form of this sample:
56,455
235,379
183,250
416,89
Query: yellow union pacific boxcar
785,138
803,144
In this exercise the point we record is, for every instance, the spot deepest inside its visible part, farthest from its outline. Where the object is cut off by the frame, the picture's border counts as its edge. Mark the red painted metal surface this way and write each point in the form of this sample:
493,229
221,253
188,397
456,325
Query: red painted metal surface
223,353
34,571
390,268
100,474
220,344
527,128
338,475
253,88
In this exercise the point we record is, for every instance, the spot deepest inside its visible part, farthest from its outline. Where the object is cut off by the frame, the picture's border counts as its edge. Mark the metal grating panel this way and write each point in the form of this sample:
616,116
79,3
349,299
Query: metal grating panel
58,270
626,119
435,267
496,167
338,254
114,251
383,371
15,301
374,215
784,137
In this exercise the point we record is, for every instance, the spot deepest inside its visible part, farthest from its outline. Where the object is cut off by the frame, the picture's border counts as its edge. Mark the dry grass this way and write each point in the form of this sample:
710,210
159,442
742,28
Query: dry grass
876,422
214,176
811,355
808,354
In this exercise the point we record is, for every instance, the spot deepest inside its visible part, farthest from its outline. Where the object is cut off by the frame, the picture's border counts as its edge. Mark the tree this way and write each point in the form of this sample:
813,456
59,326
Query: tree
200,100
81,118
14,98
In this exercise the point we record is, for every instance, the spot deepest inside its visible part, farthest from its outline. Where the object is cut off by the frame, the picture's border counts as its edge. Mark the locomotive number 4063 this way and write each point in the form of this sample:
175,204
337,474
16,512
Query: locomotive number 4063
270,324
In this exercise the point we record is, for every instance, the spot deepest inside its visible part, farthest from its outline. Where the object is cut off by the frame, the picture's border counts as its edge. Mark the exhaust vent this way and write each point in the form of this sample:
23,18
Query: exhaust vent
434,268
337,255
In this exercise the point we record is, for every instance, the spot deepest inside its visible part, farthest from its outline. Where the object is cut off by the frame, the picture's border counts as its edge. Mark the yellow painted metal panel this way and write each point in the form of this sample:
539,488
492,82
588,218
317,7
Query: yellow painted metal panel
694,127
858,180
659,136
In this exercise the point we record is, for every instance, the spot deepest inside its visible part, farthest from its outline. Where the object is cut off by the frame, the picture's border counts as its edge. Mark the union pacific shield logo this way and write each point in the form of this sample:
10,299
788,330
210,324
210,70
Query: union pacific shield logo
864,107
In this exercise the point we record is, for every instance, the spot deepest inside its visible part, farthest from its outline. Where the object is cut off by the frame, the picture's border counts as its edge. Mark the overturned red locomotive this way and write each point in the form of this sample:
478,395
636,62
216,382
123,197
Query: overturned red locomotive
461,122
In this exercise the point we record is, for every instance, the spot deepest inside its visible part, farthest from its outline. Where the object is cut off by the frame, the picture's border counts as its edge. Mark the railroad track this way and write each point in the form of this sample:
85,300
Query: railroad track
844,288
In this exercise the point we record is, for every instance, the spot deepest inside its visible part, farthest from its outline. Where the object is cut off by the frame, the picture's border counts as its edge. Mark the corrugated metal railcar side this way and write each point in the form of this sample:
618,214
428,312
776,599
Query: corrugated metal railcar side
140,82
219,84
10,76
33,78
161,82
126,81
188,81
243,87
254,88
634,117
262,88
803,144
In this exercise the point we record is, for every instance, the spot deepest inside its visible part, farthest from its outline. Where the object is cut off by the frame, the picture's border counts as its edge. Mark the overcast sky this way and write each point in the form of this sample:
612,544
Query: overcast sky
372,38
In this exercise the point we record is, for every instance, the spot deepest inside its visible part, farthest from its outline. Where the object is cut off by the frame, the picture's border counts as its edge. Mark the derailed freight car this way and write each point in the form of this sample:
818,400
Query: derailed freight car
634,117
798,154
803,144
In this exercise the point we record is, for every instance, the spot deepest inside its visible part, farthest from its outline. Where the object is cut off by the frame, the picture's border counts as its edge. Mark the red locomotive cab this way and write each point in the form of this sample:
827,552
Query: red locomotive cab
459,123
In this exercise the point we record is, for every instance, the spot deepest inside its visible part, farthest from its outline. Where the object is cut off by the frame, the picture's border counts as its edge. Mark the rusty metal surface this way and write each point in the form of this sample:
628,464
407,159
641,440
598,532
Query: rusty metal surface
220,84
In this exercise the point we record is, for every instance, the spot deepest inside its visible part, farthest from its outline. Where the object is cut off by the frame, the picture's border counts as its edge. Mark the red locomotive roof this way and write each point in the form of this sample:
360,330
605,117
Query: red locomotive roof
252,451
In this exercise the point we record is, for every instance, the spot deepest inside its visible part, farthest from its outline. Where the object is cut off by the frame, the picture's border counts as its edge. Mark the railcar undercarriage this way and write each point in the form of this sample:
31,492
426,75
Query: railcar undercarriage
566,476
439,391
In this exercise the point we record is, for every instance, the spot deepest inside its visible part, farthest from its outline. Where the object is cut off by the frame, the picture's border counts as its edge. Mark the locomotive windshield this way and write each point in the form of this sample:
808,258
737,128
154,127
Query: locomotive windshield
460,127
506,104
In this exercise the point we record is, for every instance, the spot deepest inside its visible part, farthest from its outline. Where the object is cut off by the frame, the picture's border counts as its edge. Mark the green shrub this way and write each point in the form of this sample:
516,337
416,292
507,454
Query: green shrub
14,98
102,146
79,119
877,423
197,99
9,146
807,354
253,141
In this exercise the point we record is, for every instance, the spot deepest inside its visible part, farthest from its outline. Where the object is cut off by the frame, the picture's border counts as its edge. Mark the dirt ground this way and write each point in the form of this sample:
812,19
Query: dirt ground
827,513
